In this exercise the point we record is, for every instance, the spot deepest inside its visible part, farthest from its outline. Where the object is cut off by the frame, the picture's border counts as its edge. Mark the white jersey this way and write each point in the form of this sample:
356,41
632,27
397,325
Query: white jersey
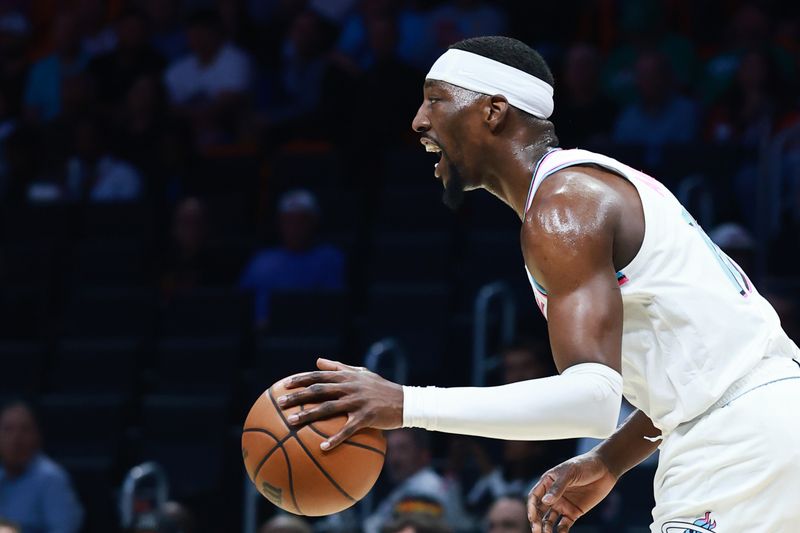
693,323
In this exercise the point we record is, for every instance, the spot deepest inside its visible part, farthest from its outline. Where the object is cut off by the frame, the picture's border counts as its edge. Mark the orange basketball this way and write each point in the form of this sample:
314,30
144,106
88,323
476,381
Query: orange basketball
289,468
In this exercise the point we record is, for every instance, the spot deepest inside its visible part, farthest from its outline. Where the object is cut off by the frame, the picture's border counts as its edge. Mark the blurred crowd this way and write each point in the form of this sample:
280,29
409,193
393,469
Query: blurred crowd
112,100
240,125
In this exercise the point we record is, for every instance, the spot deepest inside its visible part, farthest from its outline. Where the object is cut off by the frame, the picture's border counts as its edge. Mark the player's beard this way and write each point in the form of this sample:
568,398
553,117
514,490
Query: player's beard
453,195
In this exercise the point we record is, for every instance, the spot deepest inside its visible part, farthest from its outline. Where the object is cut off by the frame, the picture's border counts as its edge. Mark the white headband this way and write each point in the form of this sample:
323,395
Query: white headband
487,76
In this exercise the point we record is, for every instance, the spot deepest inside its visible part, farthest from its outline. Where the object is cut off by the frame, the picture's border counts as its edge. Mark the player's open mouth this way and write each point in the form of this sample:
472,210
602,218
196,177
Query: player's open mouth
429,145
432,147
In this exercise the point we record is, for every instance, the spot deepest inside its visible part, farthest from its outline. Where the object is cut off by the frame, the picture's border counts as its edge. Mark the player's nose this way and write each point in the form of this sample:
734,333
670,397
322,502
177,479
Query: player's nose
420,124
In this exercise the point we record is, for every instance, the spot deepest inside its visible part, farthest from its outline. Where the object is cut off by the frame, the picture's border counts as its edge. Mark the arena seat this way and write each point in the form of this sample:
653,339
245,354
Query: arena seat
83,425
207,312
192,452
109,262
417,257
108,313
414,206
119,220
95,366
22,365
187,365
415,314
23,313
312,312
279,356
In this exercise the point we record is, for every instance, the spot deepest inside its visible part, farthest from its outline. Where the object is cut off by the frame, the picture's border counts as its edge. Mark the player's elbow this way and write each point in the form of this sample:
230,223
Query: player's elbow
602,399
605,423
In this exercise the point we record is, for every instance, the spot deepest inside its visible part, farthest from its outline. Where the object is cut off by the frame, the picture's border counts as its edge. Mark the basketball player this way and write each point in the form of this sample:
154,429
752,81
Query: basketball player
639,302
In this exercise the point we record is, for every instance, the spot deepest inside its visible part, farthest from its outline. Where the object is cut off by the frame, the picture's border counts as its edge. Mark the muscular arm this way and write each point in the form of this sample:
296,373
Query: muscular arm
568,244
628,446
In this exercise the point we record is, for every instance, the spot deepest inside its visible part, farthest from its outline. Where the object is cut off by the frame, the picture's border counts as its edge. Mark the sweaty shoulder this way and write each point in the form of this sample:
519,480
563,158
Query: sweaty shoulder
578,213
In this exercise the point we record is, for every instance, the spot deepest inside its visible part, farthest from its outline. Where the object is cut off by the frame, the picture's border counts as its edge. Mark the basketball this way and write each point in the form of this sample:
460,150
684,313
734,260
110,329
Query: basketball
289,468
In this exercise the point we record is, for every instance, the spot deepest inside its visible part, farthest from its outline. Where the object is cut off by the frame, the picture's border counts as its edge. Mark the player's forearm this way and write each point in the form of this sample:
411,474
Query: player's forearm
584,401
630,444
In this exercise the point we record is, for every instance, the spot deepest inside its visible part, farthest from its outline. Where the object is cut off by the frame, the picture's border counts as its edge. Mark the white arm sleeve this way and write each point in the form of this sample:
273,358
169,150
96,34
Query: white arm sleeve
583,401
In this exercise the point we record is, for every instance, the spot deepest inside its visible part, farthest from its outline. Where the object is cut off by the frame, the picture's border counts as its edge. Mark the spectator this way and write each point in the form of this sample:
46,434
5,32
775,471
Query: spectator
15,32
211,85
99,37
8,125
644,26
8,527
416,522
413,43
388,76
737,243
176,518
190,259
408,466
462,19
141,124
526,359
285,523
785,305
167,36
171,517
750,31
115,72
93,173
755,104
583,113
35,492
299,262
43,89
521,463
508,514
660,116
303,70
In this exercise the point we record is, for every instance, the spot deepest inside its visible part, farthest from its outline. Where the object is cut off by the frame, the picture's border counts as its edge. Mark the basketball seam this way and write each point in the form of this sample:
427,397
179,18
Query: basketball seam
291,480
293,433
351,443
278,444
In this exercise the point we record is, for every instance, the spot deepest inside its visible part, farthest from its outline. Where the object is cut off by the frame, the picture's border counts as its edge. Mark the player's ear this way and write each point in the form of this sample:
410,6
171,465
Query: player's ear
497,110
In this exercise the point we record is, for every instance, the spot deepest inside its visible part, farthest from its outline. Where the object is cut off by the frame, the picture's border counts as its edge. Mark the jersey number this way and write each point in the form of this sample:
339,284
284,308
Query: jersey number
732,271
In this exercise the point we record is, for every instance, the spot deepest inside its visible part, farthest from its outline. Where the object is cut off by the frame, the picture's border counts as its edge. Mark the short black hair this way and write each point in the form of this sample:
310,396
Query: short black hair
508,51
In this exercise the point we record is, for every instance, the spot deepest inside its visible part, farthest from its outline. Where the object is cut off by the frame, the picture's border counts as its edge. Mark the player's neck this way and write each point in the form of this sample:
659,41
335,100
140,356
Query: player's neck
511,176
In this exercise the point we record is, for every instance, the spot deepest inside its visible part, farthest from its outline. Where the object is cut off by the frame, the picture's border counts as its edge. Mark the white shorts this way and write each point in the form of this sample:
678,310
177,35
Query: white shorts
736,468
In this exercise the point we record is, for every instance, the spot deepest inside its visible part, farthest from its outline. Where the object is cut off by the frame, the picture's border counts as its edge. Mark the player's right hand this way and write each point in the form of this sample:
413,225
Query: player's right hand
367,399
567,492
